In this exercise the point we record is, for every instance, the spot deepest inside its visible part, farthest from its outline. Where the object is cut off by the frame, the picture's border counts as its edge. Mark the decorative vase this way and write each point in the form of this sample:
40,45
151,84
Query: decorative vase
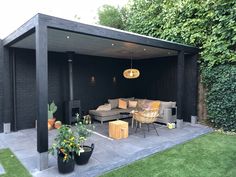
65,166
84,157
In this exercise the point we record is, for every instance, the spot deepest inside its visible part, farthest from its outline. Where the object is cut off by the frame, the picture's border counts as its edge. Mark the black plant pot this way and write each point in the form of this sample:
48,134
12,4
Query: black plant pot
67,166
84,157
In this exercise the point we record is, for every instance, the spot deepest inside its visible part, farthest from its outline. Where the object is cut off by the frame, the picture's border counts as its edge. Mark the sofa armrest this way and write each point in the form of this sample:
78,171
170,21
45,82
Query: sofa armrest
170,115
174,111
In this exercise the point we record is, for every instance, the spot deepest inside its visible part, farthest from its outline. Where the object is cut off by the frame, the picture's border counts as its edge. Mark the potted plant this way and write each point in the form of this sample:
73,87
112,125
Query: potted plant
83,132
52,108
65,146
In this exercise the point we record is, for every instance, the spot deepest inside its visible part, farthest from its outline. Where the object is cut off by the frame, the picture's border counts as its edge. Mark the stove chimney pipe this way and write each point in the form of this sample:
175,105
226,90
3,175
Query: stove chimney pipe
70,57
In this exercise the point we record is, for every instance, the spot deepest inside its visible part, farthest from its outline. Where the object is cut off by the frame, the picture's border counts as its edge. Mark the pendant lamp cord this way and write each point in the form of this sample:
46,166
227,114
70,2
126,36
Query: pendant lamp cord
131,60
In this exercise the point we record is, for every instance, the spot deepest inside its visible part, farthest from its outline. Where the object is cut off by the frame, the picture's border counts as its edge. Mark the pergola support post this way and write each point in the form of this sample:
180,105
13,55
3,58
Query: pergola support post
180,88
194,88
7,91
42,94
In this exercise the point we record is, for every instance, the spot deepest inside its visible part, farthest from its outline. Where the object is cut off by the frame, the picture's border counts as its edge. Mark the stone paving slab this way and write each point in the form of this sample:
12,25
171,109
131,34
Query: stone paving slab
108,154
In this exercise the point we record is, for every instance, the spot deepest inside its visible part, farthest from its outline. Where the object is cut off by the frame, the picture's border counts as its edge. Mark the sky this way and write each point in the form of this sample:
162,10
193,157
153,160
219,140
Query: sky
14,13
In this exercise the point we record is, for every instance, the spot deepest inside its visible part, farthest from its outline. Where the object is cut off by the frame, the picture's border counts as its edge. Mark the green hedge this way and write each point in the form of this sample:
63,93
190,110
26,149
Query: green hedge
221,95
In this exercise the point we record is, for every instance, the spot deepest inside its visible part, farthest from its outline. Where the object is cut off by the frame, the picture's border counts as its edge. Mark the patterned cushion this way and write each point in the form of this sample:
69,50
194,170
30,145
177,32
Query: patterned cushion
105,107
155,105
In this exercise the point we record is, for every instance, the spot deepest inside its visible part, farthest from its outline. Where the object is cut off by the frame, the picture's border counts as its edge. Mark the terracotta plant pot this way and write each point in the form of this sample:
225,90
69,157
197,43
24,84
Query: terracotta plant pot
65,167
84,157
51,121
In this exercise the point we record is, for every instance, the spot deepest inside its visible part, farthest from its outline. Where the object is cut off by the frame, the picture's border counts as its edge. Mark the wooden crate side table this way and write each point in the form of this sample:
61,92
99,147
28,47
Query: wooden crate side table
118,129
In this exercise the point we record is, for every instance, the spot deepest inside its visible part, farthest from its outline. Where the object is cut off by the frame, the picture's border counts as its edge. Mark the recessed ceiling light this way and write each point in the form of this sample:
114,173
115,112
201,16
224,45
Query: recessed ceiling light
112,44
68,37
144,49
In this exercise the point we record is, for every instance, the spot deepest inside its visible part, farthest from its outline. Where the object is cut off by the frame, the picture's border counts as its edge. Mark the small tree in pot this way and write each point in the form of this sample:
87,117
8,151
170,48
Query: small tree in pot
83,132
65,146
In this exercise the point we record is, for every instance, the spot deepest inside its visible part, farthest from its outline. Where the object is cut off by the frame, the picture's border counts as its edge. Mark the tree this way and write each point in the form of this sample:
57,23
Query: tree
112,16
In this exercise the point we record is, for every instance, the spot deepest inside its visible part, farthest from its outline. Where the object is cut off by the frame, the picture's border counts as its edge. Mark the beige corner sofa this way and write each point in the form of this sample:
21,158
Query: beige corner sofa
167,111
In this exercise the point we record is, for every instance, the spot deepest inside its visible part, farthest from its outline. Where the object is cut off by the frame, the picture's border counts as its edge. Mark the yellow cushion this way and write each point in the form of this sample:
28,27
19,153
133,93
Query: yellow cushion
122,104
155,105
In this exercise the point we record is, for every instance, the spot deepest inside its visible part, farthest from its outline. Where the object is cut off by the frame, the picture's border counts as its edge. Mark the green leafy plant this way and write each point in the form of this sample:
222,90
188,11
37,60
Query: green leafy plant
221,96
66,143
83,130
52,108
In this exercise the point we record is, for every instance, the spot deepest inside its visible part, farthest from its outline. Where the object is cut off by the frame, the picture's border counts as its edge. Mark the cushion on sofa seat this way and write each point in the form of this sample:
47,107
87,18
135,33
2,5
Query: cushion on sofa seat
105,113
122,104
113,102
105,107
133,104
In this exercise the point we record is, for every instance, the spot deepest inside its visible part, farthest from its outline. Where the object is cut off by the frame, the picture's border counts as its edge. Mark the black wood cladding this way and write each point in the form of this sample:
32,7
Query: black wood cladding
94,82
1,86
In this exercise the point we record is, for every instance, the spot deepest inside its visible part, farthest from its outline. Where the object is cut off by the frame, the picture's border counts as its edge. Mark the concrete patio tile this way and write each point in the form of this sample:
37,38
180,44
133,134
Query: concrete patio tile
108,154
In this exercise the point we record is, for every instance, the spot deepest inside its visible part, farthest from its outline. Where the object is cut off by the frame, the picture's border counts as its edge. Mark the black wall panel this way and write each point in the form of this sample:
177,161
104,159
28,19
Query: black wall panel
90,93
1,86
94,93
157,81
25,89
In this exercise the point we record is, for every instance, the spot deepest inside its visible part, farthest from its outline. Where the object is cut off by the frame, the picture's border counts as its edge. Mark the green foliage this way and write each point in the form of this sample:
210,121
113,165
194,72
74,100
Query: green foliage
112,16
209,25
83,128
221,95
65,142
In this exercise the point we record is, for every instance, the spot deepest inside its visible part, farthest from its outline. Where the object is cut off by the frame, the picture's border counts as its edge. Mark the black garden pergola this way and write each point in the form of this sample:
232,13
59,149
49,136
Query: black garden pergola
41,33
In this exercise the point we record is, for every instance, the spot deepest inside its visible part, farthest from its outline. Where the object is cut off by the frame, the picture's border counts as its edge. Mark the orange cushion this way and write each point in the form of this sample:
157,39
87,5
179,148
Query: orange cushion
155,105
122,104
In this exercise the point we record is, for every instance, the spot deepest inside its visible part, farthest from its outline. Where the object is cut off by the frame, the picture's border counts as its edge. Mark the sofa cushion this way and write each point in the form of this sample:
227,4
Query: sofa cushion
105,107
141,103
145,104
113,102
122,104
155,105
105,113
112,112
133,104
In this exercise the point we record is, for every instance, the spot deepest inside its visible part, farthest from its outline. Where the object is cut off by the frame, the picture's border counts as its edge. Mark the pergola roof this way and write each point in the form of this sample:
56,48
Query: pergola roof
65,35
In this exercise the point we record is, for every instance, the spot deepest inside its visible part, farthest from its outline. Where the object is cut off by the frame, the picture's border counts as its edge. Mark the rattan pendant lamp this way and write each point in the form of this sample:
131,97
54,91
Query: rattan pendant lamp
131,73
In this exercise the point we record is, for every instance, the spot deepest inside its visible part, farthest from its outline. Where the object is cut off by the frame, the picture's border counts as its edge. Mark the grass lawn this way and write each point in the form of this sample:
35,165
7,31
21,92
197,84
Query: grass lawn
211,155
12,165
